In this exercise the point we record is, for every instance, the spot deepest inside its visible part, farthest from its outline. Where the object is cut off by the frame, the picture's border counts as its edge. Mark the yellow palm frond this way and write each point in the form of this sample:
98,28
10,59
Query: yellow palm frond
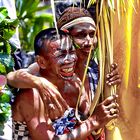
90,3
128,41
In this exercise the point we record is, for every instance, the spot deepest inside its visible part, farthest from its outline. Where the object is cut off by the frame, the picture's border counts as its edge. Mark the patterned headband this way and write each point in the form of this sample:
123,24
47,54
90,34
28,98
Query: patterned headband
77,21
71,14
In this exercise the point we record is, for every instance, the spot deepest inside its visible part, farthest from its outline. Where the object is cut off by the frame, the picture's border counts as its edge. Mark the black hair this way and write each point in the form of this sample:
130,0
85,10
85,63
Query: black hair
47,34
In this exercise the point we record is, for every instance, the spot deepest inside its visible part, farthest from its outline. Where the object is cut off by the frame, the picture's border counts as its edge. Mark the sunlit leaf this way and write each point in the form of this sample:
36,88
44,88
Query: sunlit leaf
4,98
111,4
3,13
9,26
91,2
2,69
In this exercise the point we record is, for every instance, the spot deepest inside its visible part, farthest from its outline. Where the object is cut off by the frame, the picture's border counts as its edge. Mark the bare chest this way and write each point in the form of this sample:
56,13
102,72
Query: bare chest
70,93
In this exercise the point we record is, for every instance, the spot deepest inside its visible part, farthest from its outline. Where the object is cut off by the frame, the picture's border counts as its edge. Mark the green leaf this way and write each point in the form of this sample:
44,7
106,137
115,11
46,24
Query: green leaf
46,7
96,54
2,69
7,61
3,117
1,128
5,47
4,98
26,7
5,108
76,46
9,28
3,13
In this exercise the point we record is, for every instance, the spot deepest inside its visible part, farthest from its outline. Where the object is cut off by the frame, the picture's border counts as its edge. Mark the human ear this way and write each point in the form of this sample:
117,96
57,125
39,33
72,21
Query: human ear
41,62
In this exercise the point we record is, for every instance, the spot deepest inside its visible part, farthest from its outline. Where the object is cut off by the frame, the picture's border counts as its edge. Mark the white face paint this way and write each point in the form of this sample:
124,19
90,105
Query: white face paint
66,44
84,36
64,55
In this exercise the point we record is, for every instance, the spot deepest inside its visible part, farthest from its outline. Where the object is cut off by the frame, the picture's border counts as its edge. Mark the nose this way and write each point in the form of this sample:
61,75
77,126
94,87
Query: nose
88,40
68,59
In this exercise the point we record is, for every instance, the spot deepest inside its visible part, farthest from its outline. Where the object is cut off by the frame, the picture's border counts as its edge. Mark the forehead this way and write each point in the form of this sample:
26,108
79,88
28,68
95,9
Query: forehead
83,27
63,43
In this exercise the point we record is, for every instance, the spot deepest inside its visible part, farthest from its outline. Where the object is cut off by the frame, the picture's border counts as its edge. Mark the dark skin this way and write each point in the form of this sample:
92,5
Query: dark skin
83,36
29,105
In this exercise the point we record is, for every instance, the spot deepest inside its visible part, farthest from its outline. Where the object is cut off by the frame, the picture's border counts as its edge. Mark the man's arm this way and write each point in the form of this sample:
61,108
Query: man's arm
23,79
40,127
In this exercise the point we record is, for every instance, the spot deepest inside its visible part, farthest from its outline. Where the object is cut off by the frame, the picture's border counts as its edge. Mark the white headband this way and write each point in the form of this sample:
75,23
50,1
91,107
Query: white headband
77,21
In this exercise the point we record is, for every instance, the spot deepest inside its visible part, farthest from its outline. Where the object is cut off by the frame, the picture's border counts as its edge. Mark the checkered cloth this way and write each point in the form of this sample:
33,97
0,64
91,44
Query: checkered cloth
93,76
20,131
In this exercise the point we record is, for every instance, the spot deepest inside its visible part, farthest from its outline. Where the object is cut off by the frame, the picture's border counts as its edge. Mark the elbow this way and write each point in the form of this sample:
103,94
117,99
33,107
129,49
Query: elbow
16,77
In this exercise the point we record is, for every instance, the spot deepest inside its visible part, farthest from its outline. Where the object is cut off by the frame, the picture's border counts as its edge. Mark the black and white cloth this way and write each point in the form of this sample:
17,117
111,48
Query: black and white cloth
20,131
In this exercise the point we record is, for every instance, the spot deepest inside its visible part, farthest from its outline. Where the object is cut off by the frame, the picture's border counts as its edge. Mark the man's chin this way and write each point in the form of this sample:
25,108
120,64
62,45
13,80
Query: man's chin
67,77
86,51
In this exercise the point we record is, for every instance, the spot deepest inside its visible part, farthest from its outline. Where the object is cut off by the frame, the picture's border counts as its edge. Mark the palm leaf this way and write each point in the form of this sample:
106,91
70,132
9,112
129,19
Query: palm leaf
128,41
101,79
3,13
90,3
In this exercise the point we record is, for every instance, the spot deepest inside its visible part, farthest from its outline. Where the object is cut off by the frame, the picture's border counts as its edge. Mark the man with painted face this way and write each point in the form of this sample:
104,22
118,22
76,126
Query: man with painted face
31,115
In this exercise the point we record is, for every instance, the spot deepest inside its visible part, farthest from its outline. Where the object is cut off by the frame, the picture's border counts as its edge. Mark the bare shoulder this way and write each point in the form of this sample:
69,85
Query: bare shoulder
26,95
27,103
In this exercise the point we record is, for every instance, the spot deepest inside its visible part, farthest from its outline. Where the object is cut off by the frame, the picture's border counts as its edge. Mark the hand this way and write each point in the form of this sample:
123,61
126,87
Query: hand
106,111
55,104
113,78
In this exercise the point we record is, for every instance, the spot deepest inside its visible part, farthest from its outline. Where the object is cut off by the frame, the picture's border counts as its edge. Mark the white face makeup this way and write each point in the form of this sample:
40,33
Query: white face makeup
84,36
63,54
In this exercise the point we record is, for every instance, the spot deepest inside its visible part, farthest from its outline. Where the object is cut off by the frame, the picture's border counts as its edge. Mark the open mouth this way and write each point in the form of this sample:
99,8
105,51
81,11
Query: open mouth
67,73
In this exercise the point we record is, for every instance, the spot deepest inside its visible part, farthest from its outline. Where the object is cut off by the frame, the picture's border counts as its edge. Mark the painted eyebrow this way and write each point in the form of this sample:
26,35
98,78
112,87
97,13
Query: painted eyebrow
59,49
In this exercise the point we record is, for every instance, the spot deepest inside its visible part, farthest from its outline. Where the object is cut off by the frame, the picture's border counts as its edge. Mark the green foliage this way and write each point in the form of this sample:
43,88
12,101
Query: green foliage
30,21
3,13
7,25
7,29
7,62
5,111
